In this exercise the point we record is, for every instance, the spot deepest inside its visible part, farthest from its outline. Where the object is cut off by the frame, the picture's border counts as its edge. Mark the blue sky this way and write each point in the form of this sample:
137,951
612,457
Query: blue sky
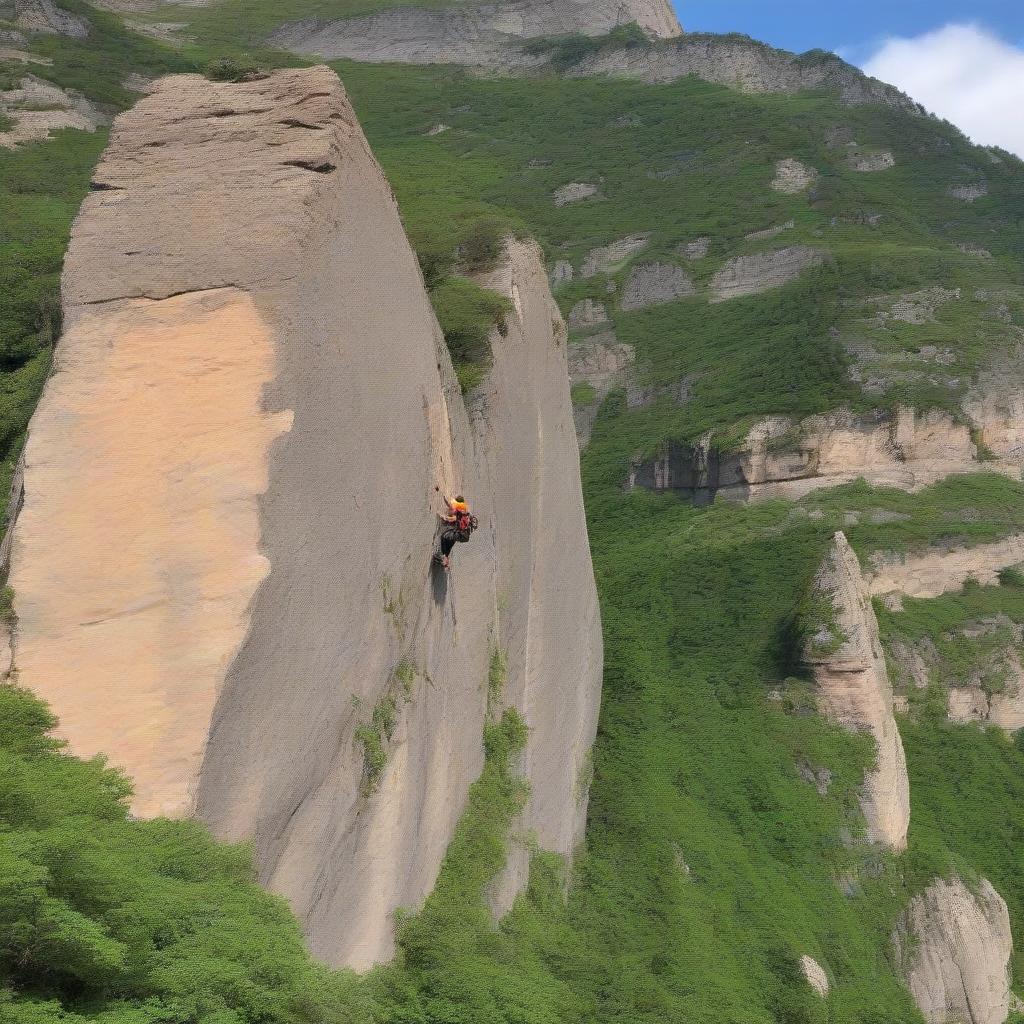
853,27
962,60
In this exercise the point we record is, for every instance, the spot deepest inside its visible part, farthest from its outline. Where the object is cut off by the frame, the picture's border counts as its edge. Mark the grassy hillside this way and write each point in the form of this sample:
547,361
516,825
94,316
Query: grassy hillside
711,864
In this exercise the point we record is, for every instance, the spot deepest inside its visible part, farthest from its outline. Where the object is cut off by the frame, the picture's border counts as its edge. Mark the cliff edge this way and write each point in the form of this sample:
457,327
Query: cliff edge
235,474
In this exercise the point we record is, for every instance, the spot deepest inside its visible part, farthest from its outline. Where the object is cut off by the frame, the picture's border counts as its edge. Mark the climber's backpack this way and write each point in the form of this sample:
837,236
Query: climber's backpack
466,524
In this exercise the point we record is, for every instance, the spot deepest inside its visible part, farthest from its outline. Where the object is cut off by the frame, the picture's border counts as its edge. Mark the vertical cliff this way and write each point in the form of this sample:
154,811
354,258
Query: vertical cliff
853,687
954,946
242,450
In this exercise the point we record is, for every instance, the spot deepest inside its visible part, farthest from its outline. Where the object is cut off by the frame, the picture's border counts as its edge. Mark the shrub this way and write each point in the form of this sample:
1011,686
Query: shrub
234,69
467,314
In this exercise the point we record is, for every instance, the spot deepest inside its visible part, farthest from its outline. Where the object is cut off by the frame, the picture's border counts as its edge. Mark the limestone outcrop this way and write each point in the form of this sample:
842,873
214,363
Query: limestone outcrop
250,371
490,33
762,271
587,314
815,975
573,192
954,945
38,107
654,284
791,176
787,458
606,259
1004,709
942,569
44,17
745,65
853,690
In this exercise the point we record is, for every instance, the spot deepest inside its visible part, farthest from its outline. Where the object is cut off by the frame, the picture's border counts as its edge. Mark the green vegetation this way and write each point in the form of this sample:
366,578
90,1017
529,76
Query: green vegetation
497,674
967,638
467,314
104,918
231,69
374,738
565,51
583,395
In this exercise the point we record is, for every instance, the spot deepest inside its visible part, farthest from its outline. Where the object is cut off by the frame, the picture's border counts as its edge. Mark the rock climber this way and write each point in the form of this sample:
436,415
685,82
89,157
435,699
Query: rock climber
458,528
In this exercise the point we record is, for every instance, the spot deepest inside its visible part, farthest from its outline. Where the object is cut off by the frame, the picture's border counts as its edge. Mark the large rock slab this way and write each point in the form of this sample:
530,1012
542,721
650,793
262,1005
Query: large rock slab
250,372
762,271
655,284
471,33
954,946
853,689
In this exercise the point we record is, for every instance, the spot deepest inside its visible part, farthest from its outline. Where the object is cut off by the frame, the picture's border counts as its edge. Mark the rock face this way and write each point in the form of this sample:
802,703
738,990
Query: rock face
791,176
868,162
38,107
242,383
749,275
586,314
606,259
853,688
604,363
471,33
44,17
1004,709
654,284
969,193
573,192
941,570
787,458
954,946
743,64
815,975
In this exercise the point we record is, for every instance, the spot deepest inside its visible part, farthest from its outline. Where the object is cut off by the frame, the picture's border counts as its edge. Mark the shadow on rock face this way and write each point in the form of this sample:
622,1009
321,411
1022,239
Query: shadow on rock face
439,582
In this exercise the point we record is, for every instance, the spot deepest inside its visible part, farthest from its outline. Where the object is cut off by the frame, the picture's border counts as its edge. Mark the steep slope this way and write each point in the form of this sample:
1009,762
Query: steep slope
470,33
247,573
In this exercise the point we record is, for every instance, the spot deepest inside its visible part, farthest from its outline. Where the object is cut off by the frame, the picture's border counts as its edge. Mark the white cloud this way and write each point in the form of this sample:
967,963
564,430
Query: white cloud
962,73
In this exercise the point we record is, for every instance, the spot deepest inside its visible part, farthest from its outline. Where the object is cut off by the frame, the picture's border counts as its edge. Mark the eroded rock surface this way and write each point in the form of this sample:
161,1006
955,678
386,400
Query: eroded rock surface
44,17
745,65
471,33
942,570
587,314
604,363
815,975
762,271
954,945
867,162
787,458
853,687
791,176
242,381
654,284
573,192
38,108
606,259
969,193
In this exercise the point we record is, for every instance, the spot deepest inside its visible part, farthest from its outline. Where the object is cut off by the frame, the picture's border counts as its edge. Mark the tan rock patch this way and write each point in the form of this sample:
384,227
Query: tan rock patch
162,532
